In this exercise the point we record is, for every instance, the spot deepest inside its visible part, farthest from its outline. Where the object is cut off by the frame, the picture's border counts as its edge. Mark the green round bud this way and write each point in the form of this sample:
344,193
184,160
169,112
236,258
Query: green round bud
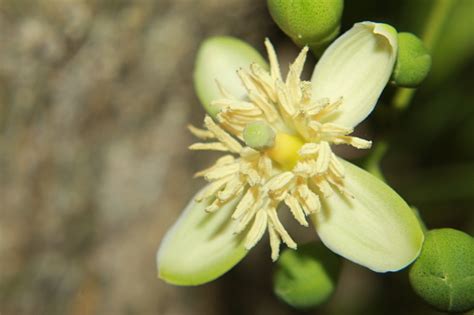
314,23
413,61
306,277
443,274
259,135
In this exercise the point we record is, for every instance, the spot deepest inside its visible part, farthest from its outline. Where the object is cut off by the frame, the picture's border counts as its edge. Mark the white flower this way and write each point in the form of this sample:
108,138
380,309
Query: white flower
277,136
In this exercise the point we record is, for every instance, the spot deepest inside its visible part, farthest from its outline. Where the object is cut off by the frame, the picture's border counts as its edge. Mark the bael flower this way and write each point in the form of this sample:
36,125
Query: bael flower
276,135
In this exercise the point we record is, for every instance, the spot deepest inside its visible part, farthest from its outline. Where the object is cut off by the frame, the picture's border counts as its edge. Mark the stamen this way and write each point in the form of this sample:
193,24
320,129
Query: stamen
272,216
222,136
257,229
200,133
225,160
212,189
324,157
212,146
247,200
248,216
232,188
221,171
296,210
308,149
275,242
272,57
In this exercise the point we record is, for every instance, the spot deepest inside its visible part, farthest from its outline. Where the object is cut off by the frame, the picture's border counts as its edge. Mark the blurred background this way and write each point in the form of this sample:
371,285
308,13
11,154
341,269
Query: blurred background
94,167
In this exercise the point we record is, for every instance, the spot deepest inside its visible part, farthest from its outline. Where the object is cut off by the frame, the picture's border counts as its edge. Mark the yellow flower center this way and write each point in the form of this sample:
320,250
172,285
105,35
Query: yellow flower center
285,150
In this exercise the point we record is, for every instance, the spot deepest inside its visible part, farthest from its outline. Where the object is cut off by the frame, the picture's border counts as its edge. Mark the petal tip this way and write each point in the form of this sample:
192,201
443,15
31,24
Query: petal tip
377,230
387,31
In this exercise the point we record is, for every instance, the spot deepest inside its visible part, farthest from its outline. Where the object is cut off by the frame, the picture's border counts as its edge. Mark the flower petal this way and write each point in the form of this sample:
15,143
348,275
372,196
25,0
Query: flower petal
356,67
376,229
200,246
218,59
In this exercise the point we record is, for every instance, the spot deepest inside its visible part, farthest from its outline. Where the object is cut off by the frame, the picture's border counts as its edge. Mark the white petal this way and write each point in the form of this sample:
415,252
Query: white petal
218,60
200,246
356,67
376,229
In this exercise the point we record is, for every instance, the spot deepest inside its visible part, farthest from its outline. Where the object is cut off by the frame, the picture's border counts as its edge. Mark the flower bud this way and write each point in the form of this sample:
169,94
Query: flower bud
314,23
443,274
413,61
306,277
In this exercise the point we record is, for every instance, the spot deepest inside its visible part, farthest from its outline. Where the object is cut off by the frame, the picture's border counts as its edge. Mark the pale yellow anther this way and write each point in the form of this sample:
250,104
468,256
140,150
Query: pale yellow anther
245,203
213,207
211,146
279,181
221,171
323,186
265,165
324,157
225,160
296,209
311,201
212,189
274,66
308,149
305,168
275,242
247,217
257,229
336,167
221,135
273,217
233,187
200,133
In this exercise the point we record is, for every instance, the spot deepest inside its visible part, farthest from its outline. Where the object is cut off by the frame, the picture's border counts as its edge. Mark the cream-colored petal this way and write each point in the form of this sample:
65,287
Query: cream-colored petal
376,229
200,246
218,59
356,67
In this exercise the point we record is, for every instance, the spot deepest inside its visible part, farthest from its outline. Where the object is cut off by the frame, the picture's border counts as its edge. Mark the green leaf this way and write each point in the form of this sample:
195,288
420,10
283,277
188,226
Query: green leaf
200,246
443,275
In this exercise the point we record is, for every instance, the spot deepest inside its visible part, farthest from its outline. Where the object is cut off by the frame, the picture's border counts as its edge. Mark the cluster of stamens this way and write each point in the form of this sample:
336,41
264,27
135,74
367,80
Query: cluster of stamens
297,168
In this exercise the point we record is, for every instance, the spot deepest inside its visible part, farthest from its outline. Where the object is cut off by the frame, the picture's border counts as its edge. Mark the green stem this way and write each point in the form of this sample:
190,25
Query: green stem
431,33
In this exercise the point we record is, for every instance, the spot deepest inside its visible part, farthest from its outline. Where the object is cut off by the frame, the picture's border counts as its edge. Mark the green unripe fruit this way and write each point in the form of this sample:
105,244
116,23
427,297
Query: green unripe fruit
443,274
413,61
306,277
259,135
308,22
